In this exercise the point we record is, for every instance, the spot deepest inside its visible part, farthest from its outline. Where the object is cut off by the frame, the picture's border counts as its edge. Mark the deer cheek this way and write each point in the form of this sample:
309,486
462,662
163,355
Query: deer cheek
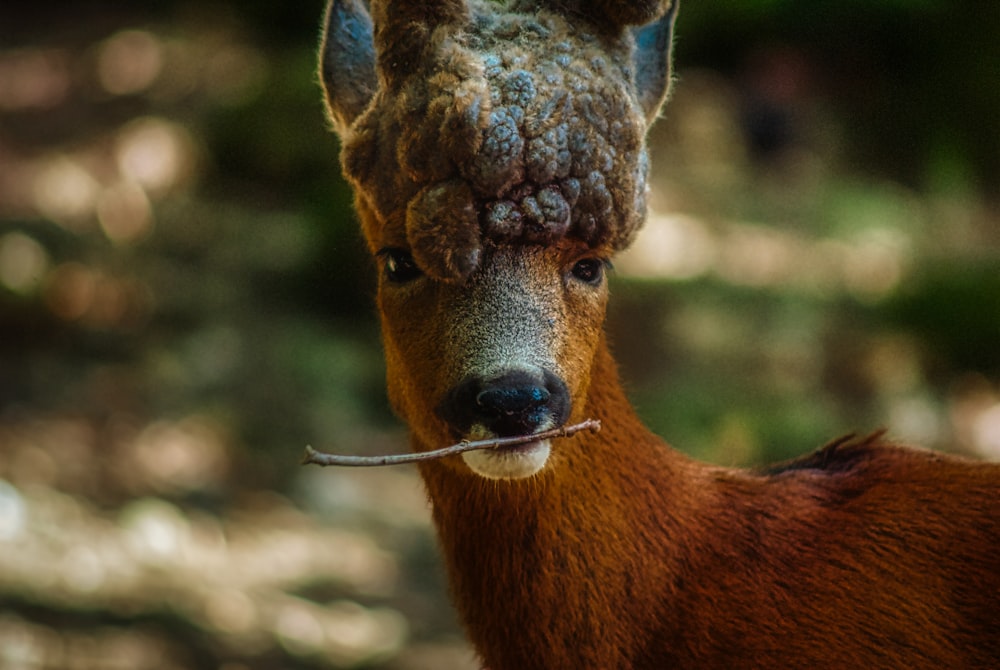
411,356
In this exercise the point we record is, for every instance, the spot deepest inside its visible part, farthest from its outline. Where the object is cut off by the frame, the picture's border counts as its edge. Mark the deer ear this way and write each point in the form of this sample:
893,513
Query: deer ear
651,62
347,61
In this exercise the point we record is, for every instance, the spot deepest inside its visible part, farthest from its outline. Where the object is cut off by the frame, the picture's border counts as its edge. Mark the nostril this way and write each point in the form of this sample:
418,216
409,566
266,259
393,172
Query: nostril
512,400
515,403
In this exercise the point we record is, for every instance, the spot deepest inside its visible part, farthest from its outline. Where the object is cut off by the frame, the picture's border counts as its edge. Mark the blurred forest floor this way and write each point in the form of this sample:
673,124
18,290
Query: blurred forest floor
185,303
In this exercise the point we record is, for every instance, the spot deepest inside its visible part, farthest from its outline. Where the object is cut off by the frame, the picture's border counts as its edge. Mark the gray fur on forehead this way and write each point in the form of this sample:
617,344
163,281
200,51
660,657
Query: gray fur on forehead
517,127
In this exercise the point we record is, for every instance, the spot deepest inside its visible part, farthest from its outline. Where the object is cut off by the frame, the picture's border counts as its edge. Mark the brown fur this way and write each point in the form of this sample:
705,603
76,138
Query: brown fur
625,554
502,146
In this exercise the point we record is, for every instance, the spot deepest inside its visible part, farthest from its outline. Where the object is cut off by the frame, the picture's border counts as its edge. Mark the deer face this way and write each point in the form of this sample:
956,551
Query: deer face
506,352
497,155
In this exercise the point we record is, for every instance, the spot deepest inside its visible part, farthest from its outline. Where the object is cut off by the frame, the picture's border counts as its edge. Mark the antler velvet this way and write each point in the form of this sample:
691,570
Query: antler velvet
519,126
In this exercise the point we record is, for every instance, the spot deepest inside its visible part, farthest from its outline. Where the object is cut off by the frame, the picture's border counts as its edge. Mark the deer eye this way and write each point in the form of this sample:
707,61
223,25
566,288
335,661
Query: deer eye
399,265
589,270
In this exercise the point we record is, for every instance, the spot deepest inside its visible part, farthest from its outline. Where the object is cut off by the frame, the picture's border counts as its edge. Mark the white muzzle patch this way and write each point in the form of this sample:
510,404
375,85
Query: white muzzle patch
518,462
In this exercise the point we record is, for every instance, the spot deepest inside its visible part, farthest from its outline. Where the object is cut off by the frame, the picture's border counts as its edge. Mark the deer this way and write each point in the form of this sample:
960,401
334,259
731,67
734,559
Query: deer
496,151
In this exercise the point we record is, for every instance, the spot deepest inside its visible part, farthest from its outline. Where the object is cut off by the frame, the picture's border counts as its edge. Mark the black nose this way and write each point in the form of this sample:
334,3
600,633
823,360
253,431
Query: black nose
516,403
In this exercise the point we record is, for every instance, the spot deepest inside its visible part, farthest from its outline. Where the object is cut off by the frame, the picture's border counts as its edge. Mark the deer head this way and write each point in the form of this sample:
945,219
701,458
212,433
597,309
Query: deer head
497,156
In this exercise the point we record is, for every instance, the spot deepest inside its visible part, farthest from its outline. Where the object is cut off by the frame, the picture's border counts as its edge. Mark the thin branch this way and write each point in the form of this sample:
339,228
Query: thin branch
321,458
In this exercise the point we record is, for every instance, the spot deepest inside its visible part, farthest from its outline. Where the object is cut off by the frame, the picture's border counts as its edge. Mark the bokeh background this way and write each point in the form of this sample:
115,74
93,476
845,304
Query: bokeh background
185,303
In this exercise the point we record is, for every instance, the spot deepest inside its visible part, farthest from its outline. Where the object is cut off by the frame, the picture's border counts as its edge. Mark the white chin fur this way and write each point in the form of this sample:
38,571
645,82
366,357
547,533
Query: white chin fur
513,463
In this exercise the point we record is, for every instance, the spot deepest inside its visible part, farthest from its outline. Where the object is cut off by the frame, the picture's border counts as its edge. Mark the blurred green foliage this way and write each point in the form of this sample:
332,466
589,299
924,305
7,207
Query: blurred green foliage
909,81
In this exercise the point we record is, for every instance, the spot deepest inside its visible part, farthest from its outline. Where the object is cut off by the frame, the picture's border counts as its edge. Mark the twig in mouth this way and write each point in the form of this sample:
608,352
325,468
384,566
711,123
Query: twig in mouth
322,458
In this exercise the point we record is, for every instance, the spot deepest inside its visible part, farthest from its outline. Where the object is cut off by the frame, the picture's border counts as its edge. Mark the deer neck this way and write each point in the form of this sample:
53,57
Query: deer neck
555,558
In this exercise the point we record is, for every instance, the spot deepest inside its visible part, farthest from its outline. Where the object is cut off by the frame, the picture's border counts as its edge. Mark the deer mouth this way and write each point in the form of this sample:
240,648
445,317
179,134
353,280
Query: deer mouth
513,462
518,402
524,447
